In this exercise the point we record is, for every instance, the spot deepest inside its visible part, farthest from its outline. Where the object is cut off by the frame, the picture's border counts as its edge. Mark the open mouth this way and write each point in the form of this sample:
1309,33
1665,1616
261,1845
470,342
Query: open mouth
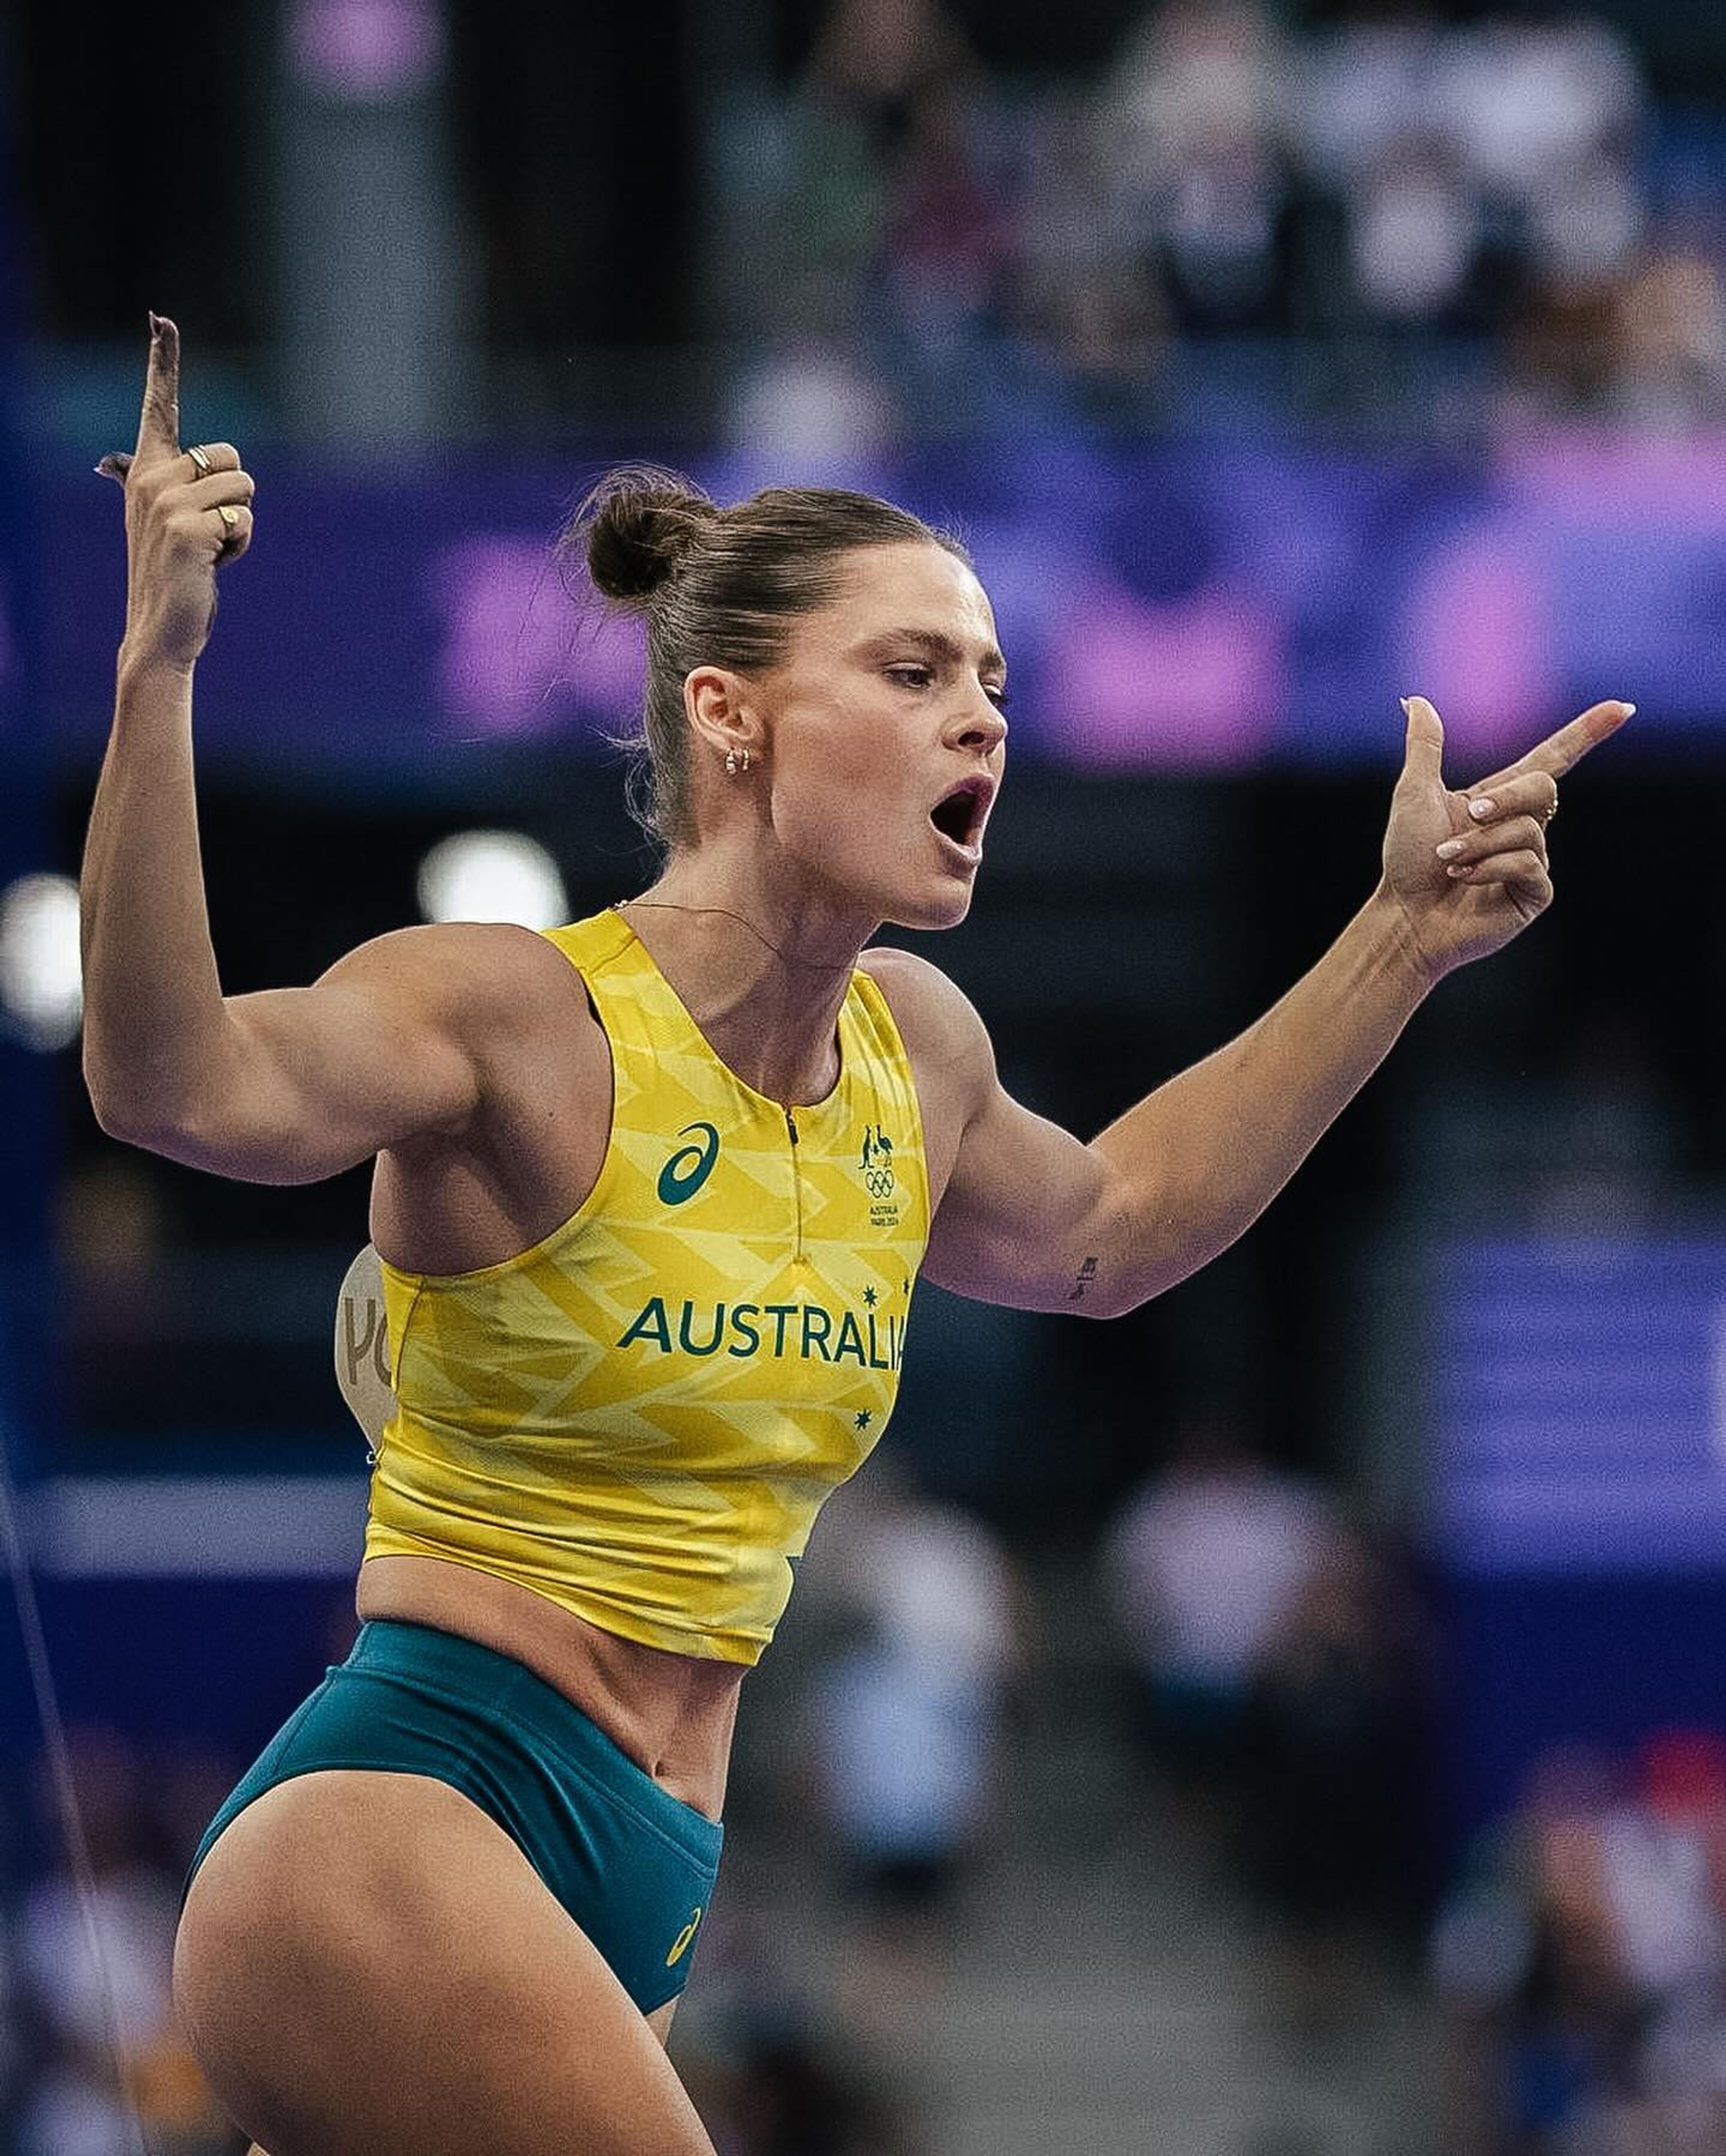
962,810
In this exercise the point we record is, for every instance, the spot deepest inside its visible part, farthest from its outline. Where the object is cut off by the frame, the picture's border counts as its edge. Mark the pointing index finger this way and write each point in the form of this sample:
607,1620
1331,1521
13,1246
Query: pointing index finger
1562,751
159,422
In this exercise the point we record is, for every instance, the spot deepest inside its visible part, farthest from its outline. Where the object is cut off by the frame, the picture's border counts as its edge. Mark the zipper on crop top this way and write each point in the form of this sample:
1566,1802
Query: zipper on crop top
796,1185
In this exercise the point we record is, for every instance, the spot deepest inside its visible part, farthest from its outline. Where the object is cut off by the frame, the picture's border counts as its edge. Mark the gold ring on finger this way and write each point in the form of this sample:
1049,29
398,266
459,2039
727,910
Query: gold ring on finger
229,516
201,458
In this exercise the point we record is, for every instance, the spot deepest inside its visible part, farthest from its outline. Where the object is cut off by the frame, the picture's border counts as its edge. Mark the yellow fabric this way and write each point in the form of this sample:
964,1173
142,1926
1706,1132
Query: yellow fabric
640,1417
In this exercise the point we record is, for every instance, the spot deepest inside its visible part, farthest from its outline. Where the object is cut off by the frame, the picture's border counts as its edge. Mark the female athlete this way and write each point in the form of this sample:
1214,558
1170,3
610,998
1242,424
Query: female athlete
649,1198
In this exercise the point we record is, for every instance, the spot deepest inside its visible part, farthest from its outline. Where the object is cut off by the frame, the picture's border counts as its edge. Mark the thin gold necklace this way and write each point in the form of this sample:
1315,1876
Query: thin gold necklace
784,957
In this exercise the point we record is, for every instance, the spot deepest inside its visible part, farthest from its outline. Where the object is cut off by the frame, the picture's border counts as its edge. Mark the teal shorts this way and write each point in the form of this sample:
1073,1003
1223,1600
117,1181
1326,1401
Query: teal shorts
632,1864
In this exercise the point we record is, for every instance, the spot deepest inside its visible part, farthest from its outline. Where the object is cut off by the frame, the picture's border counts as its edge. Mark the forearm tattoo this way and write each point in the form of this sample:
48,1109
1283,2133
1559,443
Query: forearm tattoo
1086,1277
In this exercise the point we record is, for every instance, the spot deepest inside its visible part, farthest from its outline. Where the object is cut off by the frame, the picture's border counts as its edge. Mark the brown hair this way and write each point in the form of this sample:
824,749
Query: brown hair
716,587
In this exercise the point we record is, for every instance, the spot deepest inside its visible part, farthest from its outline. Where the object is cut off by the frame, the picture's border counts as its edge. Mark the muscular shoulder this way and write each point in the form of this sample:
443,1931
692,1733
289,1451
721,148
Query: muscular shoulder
459,968
946,1041
517,1011
490,985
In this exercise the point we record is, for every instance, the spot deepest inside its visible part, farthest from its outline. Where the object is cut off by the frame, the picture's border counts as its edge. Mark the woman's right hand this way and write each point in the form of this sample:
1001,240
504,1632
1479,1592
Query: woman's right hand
182,524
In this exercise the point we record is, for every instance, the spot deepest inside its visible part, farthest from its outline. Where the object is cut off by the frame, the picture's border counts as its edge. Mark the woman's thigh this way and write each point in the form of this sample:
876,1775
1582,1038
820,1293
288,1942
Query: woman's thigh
368,1966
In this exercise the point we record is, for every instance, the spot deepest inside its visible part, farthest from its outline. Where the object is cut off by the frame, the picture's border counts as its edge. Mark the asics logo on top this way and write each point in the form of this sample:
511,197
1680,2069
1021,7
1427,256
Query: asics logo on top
689,1168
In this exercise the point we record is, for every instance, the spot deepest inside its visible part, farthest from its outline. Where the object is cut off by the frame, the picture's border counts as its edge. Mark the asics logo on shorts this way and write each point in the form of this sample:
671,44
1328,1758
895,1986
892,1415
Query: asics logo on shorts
680,1945
689,1168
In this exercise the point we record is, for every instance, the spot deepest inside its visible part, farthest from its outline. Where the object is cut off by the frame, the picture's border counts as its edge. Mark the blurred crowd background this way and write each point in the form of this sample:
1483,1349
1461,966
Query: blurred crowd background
1286,1722
804,225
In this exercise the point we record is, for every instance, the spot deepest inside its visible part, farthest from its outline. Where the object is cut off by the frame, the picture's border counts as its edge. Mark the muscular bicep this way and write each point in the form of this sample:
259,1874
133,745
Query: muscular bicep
336,1072
1022,1209
1024,1219
303,1082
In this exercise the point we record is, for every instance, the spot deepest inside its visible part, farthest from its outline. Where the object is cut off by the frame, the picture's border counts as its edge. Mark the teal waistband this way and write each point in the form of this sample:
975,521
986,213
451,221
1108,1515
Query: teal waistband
633,1864
494,1682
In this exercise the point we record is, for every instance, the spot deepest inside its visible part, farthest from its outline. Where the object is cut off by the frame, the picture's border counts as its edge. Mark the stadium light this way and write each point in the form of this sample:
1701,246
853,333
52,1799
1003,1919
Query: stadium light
41,979
492,875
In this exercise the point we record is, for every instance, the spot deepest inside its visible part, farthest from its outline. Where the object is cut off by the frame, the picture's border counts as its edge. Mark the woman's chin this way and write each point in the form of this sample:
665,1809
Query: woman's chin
943,909
907,900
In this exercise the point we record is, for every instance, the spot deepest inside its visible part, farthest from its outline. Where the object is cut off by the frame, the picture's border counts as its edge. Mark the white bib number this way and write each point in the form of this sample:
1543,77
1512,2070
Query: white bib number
362,1347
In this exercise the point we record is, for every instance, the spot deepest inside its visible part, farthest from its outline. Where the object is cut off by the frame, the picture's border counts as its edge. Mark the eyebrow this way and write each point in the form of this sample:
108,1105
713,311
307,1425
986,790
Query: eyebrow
935,643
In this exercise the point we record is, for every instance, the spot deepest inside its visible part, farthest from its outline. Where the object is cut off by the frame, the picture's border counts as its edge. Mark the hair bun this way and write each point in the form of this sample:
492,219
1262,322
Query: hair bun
635,527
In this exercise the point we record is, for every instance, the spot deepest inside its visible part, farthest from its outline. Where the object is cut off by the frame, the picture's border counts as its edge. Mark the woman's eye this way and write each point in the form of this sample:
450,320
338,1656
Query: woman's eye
998,697
911,677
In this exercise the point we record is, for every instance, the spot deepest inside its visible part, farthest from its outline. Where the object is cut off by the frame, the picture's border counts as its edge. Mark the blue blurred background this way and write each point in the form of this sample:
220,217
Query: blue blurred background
1288,1720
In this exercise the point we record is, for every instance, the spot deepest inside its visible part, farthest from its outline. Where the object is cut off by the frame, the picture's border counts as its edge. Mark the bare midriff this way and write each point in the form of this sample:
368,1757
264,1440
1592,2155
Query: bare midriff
673,1714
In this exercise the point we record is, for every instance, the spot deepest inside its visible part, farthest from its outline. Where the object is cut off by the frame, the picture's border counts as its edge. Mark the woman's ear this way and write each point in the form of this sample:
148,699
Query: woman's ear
723,717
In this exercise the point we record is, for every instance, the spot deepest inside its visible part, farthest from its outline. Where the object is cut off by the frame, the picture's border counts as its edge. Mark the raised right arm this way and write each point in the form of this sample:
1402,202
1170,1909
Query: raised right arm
282,1087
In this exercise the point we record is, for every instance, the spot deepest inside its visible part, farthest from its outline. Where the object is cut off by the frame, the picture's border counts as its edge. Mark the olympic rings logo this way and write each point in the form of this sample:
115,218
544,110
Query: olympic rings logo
878,1182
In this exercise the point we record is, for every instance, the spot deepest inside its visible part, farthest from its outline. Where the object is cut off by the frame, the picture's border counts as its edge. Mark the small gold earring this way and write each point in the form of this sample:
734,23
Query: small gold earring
731,764
746,760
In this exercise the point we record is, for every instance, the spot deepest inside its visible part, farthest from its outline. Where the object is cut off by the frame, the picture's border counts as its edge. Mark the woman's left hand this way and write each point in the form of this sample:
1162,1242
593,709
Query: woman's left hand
1467,871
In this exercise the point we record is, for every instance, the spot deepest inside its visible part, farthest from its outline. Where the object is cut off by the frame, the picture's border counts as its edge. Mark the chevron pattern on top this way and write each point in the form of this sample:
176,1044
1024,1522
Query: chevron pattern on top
640,1417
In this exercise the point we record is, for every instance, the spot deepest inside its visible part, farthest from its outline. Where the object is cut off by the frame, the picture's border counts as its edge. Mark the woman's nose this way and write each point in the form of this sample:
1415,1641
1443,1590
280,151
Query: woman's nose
984,725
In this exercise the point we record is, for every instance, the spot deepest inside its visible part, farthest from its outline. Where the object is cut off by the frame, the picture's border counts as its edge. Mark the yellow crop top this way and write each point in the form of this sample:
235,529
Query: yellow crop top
640,1417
